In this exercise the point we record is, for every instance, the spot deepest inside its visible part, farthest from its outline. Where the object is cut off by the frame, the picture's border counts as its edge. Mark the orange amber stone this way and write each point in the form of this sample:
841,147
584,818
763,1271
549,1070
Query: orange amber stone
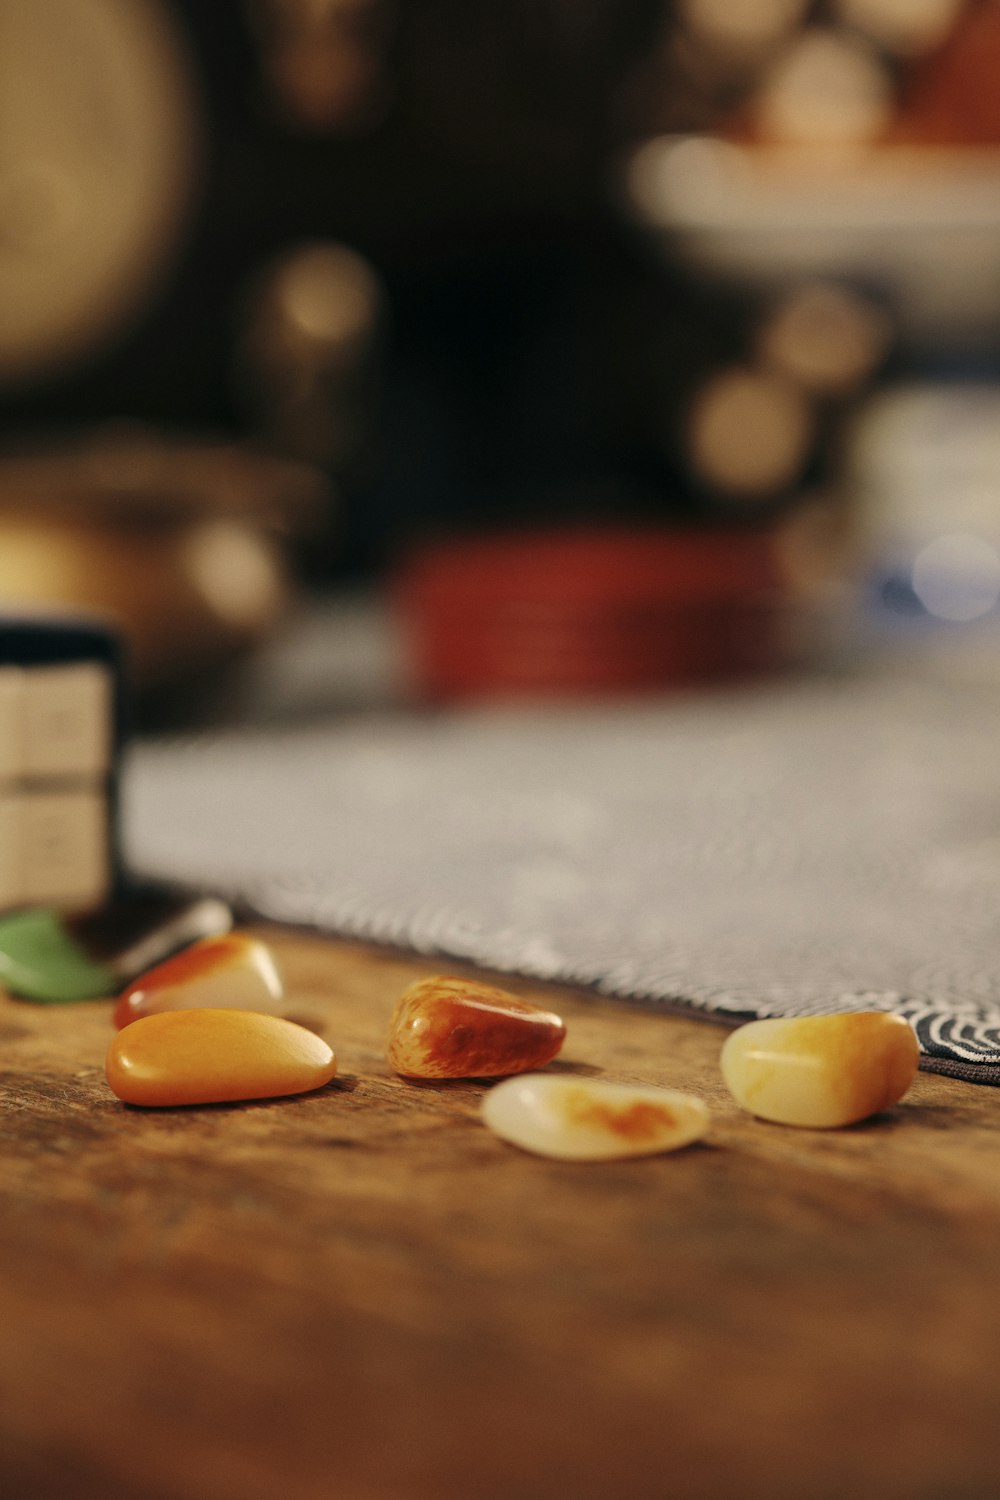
456,1028
233,971
211,1056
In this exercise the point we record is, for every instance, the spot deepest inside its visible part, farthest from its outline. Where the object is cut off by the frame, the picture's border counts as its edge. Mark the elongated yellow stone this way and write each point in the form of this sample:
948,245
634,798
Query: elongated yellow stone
457,1028
215,1056
820,1071
578,1119
232,971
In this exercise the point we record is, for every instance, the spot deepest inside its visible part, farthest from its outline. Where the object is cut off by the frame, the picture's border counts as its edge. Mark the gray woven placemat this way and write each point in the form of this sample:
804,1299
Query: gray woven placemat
799,848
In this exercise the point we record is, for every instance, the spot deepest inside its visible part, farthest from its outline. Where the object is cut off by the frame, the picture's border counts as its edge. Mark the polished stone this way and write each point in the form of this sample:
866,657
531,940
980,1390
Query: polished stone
234,971
215,1056
41,959
820,1071
456,1028
584,1119
54,956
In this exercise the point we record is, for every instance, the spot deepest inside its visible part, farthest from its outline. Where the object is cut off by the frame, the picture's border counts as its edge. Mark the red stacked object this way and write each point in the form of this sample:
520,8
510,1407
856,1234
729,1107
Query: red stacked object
588,611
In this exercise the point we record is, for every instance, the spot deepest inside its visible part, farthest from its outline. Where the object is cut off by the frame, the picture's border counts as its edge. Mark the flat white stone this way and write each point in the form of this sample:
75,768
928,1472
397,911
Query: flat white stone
582,1119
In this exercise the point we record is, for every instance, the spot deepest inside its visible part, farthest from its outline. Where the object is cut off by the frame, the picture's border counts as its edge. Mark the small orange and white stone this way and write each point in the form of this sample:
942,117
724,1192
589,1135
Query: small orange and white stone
821,1071
232,971
215,1057
457,1028
574,1119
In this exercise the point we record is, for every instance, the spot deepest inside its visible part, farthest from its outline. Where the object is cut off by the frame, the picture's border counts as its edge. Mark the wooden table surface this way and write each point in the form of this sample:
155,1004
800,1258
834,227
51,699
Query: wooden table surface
362,1294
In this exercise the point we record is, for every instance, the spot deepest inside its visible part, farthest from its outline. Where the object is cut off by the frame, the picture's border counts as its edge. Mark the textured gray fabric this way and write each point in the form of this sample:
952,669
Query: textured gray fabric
800,848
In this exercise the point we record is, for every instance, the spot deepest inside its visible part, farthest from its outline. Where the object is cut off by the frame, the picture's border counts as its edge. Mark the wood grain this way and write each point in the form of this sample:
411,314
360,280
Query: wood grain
361,1293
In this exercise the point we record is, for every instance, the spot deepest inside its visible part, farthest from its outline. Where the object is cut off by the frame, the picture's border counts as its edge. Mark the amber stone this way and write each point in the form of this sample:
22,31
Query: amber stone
457,1028
234,971
820,1071
213,1056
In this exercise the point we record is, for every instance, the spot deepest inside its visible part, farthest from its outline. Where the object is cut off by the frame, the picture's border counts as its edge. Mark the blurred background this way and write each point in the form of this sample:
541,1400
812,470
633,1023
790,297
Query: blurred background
358,350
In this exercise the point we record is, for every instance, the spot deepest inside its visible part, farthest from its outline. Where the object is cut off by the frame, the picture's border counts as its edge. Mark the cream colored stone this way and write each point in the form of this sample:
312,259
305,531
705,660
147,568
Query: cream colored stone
820,1071
579,1119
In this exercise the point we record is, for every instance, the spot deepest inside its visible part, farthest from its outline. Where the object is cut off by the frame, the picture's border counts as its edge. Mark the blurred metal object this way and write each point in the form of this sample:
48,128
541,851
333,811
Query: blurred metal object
924,468
183,544
922,223
908,28
749,434
828,88
308,354
749,29
918,445
326,60
825,336
178,618
131,472
100,150
236,571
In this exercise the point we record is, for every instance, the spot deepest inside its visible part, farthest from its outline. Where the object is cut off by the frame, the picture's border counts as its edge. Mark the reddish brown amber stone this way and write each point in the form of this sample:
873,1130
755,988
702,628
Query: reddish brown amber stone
457,1028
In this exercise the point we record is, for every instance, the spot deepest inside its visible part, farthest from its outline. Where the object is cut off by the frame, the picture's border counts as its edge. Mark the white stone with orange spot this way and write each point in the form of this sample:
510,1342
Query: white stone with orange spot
820,1071
582,1119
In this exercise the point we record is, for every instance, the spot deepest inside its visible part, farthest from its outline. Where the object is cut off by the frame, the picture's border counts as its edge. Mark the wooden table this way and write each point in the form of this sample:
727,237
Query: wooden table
363,1294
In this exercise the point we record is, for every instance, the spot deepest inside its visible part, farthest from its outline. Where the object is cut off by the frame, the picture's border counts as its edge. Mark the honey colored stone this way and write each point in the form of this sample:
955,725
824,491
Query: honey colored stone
456,1028
576,1119
234,971
214,1056
820,1071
